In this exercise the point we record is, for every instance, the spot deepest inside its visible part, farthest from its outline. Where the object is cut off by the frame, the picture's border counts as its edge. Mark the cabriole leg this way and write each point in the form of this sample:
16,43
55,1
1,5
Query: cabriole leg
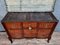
48,39
10,39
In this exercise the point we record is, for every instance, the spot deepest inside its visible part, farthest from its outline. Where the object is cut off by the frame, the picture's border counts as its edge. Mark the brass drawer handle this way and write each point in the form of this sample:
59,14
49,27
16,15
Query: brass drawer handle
30,28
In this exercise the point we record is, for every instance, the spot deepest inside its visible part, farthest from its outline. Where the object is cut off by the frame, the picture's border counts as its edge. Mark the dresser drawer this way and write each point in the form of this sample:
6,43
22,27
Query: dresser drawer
16,33
30,33
46,25
29,24
43,33
13,25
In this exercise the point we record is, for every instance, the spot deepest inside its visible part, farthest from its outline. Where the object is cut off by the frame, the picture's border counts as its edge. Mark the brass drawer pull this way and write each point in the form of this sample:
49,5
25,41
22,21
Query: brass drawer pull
30,28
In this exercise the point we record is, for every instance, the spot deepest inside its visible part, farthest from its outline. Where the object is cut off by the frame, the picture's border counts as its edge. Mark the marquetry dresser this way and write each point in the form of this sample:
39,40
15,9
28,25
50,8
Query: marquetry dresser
29,19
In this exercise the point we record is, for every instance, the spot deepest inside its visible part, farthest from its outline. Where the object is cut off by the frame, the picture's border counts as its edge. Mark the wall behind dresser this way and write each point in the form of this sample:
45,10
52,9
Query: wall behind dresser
3,13
57,14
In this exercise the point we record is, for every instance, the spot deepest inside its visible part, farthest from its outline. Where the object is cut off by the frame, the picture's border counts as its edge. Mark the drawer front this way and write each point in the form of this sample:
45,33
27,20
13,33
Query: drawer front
15,33
43,33
29,24
13,25
46,25
30,33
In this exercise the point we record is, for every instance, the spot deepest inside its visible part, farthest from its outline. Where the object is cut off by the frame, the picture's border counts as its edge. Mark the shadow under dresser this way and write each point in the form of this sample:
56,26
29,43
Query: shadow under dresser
29,25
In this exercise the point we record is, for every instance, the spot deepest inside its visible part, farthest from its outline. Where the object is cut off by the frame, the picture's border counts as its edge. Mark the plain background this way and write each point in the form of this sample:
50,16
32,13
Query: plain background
56,13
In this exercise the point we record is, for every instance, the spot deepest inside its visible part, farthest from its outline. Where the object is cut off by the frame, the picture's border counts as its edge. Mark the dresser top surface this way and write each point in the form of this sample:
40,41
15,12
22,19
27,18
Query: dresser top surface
28,16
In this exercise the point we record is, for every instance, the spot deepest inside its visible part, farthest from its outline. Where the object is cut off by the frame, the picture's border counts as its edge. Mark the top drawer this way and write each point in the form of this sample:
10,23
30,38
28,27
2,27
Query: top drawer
13,25
29,24
46,25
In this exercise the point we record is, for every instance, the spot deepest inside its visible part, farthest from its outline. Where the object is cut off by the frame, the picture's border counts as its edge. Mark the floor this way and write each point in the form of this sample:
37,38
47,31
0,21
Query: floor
55,40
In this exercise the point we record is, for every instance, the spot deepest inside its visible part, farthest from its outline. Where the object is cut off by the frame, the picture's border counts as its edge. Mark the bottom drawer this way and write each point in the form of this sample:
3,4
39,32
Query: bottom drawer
30,33
43,33
15,33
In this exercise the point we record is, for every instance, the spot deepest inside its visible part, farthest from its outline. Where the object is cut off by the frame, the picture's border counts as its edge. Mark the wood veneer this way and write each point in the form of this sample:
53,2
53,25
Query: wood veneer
29,25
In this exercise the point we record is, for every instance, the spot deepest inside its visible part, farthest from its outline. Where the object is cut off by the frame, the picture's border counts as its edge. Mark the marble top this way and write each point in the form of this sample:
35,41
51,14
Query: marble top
27,16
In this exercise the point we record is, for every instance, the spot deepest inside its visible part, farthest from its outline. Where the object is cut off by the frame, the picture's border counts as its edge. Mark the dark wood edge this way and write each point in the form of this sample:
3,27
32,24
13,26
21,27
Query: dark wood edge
31,38
52,15
5,28
3,18
2,31
52,30
9,36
